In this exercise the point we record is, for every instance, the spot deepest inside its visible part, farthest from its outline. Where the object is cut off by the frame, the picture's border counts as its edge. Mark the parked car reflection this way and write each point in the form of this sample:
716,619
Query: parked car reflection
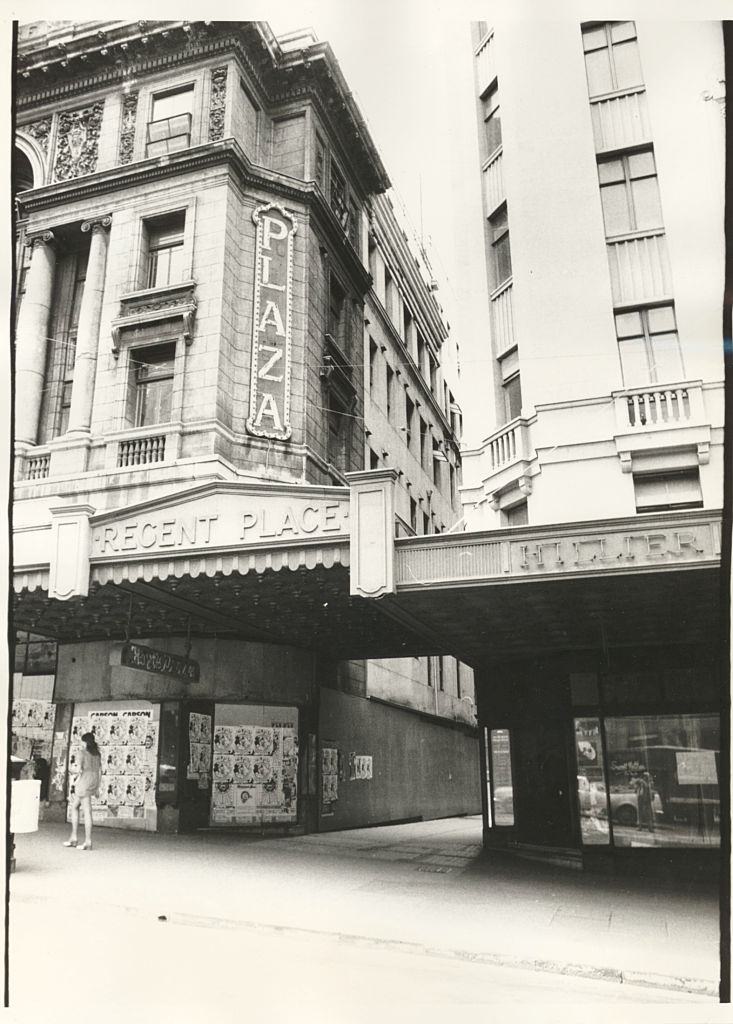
625,801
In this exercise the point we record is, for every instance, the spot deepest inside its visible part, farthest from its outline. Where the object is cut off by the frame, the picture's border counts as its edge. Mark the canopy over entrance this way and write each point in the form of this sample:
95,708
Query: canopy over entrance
320,568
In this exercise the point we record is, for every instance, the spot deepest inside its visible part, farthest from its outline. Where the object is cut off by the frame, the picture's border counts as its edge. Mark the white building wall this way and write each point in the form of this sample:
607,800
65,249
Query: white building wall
569,454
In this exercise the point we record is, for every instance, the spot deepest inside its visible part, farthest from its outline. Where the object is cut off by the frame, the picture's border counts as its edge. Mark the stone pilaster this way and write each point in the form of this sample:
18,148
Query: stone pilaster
32,337
87,342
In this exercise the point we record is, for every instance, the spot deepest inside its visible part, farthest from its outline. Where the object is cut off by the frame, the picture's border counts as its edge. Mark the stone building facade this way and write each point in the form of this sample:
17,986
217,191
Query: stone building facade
218,310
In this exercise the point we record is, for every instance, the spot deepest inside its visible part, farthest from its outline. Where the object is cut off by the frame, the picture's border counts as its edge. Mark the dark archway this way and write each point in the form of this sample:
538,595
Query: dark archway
23,177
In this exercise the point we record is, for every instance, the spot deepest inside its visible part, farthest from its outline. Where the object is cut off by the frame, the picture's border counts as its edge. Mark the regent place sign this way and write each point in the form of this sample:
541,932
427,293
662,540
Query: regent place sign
269,414
228,521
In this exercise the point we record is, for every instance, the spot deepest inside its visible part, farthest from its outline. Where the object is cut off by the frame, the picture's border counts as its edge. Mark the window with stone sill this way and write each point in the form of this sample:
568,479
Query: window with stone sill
164,257
409,416
517,515
611,57
169,128
512,391
649,346
667,492
69,278
630,193
339,318
390,391
423,441
502,256
339,431
320,165
152,380
373,350
492,121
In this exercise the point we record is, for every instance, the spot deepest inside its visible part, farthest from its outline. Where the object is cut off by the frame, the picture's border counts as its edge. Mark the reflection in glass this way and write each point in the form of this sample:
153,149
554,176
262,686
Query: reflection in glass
592,797
501,771
663,780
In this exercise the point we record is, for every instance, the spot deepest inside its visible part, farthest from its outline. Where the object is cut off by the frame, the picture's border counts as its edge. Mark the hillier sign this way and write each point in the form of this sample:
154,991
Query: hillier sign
226,520
612,550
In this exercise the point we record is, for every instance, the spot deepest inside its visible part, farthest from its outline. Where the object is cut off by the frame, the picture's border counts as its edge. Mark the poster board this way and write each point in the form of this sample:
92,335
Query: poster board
254,765
696,768
329,779
32,723
127,737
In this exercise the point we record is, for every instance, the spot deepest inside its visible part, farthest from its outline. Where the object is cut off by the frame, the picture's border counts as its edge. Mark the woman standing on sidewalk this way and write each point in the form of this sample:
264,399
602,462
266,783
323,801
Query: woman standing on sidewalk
87,785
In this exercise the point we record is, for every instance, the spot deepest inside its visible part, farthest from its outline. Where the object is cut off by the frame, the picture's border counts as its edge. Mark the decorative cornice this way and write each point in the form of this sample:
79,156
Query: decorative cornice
152,305
313,74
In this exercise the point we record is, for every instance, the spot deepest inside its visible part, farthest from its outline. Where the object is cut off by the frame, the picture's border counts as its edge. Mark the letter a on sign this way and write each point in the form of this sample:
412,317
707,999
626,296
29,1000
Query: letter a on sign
269,411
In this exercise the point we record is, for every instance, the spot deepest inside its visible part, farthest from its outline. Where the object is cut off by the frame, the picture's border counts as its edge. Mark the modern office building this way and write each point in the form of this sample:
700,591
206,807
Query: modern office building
220,325
603,175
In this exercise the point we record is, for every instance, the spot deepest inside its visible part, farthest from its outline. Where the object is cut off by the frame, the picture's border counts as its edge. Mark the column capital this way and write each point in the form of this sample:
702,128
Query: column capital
41,238
97,224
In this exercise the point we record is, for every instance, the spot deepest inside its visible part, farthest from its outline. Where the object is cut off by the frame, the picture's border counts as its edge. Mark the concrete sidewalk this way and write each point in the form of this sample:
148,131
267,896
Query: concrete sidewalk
423,888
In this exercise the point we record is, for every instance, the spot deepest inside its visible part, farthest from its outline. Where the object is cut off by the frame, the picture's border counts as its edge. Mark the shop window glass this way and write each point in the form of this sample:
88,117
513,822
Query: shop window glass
168,754
591,781
502,790
663,776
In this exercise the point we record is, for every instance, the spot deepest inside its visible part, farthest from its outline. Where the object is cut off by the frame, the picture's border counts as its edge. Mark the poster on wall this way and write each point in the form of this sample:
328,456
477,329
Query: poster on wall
199,747
329,779
128,744
254,765
360,766
696,768
32,724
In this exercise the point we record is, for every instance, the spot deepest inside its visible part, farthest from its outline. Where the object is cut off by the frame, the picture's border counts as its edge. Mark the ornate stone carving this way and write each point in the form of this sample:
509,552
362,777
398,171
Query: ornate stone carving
127,128
78,142
40,131
140,308
100,224
42,238
217,104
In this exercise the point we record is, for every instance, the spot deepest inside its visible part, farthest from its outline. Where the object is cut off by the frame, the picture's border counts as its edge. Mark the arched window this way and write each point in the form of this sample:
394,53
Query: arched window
22,172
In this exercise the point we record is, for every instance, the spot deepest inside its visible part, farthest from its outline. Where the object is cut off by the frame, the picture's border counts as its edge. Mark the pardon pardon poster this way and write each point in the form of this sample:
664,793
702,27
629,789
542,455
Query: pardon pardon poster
128,744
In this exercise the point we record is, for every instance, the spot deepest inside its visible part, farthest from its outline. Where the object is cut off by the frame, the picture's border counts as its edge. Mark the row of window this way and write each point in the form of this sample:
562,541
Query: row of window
648,342
501,268
417,433
403,320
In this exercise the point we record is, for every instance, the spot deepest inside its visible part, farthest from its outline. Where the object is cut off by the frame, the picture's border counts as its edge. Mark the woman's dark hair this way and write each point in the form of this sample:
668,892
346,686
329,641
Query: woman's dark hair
91,743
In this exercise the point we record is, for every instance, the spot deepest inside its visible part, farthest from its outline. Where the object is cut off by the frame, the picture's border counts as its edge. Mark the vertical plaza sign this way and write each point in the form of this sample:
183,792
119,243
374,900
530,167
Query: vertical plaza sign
269,401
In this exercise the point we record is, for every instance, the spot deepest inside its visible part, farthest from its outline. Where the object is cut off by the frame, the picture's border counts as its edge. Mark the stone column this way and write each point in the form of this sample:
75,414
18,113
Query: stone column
87,338
31,339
